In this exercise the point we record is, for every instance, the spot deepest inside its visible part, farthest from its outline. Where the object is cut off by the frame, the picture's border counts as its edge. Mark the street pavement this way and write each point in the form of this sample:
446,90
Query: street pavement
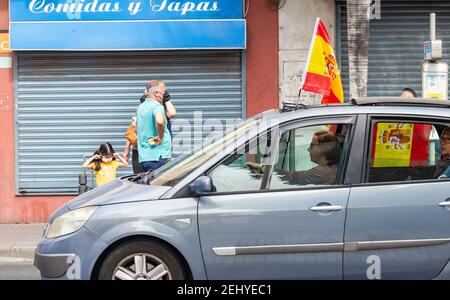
15,268
17,245
20,240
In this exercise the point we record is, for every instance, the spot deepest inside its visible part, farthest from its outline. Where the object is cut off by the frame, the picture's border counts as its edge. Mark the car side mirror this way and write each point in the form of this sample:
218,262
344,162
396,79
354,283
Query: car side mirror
202,185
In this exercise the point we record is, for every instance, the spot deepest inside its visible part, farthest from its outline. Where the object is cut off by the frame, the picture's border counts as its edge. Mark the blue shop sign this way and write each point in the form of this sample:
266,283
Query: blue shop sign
67,10
126,25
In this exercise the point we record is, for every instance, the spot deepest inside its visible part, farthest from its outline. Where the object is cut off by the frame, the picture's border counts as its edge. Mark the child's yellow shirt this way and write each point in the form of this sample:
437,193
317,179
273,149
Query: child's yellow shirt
107,172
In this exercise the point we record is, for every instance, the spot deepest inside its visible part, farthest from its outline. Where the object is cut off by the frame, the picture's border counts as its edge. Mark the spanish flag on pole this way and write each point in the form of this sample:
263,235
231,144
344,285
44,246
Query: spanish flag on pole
322,74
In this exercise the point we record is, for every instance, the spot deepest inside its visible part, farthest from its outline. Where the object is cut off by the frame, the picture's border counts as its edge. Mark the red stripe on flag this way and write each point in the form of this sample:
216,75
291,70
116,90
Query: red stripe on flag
317,84
374,142
322,31
331,98
419,146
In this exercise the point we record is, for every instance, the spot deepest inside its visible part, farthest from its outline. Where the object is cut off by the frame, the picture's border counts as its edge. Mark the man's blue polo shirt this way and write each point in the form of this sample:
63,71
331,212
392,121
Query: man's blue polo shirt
146,129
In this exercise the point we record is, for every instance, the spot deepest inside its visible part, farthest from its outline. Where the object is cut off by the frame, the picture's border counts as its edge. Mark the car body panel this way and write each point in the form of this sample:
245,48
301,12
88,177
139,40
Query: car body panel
83,244
398,212
445,274
277,219
173,221
117,191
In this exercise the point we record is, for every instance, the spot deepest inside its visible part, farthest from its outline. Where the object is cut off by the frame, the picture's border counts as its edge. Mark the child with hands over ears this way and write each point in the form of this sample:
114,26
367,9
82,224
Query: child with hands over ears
105,162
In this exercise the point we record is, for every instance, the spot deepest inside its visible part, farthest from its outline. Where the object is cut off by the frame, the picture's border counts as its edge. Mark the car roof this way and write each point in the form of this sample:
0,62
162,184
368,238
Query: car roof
380,105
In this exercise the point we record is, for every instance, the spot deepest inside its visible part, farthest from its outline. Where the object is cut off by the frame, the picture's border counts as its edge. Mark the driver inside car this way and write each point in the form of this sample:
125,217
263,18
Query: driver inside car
323,151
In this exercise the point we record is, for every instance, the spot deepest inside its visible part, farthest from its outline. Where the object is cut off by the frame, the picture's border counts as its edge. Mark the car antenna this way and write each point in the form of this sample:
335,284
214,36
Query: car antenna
297,104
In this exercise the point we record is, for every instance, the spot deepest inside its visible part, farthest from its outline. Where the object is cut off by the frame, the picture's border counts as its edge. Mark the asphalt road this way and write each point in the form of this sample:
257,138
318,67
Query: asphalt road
18,269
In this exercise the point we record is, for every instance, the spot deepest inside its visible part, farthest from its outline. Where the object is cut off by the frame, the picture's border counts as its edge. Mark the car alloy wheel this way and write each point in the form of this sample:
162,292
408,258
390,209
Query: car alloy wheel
141,259
142,266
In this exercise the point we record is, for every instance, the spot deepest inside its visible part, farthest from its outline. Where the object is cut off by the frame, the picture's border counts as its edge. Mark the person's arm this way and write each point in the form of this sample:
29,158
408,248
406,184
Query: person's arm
311,176
160,127
293,177
121,161
171,112
126,151
285,175
298,177
89,161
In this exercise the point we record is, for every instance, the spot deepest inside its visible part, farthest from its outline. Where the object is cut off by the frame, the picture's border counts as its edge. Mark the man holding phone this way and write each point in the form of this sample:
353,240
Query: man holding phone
154,138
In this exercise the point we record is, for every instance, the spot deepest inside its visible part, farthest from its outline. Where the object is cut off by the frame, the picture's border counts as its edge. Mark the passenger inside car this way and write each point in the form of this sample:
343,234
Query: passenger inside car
411,160
443,165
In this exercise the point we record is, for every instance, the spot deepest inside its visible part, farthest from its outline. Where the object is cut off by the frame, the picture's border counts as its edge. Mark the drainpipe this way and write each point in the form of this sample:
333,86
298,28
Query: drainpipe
358,20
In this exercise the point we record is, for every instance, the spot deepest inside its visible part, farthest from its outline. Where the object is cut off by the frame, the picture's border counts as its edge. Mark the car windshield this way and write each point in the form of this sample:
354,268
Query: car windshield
177,169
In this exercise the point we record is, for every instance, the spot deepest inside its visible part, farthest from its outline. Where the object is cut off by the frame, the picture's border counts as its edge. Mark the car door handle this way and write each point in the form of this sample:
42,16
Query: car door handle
444,204
326,208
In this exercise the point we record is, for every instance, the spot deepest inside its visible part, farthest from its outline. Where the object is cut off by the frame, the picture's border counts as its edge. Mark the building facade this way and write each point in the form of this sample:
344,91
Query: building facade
59,101
381,41
73,86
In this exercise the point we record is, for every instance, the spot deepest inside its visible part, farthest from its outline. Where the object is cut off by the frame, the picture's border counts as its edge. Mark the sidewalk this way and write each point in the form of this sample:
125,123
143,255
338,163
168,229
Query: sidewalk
20,240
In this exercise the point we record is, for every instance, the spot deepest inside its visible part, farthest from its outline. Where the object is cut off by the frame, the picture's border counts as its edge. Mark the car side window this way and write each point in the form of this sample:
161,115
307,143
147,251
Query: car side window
310,156
408,152
236,173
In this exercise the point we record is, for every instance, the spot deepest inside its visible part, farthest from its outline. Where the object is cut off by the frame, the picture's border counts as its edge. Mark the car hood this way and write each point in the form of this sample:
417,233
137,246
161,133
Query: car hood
118,191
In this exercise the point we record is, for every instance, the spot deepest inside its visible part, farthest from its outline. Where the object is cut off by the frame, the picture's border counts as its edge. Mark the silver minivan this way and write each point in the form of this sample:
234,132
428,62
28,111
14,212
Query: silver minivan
353,191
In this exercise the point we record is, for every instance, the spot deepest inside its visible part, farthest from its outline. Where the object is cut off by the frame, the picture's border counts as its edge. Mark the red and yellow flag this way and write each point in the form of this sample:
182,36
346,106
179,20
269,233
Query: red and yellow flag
400,145
322,74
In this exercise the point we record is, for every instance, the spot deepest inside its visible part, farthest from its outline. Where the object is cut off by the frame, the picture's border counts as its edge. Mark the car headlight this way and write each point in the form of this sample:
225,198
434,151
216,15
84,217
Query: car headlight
70,222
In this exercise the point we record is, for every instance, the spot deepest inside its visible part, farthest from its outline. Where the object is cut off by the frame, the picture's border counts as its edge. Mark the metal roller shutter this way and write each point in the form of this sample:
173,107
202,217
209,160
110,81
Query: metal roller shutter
68,103
396,44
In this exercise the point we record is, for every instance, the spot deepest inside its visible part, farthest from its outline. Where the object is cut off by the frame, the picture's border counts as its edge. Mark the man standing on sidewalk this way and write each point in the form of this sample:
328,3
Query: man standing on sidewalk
154,140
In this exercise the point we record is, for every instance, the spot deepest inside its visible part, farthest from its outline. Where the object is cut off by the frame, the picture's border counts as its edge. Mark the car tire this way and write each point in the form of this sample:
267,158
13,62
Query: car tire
158,259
